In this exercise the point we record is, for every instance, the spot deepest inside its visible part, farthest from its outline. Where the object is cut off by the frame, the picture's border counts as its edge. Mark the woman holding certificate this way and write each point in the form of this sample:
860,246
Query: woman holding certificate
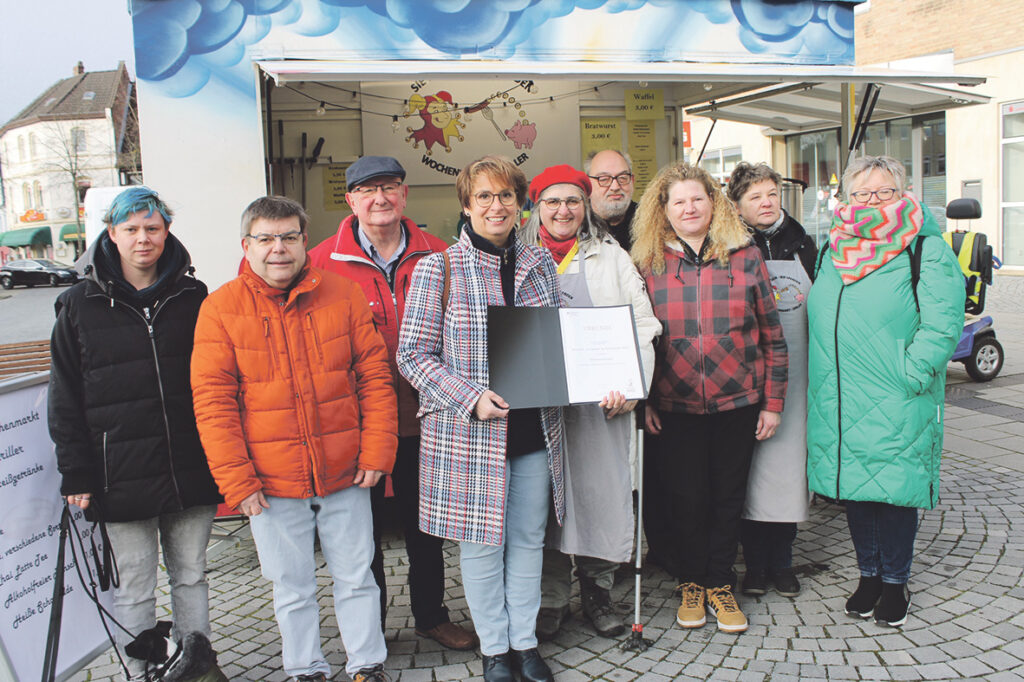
593,270
719,376
487,472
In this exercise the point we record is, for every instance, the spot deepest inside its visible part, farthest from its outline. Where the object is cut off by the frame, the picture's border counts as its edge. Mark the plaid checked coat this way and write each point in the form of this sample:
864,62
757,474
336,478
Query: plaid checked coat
444,356
722,346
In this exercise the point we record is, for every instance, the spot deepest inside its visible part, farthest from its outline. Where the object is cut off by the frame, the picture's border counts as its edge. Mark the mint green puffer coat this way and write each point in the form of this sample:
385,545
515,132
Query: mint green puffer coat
877,376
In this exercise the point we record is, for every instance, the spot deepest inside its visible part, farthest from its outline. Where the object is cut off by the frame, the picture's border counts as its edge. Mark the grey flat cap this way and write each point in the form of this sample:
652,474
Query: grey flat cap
369,167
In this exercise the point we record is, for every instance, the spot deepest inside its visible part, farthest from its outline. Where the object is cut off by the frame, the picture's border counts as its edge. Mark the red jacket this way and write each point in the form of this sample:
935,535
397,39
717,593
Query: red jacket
292,390
343,254
722,347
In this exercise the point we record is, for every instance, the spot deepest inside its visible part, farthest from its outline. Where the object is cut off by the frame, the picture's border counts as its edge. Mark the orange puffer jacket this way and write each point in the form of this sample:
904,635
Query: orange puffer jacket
293,391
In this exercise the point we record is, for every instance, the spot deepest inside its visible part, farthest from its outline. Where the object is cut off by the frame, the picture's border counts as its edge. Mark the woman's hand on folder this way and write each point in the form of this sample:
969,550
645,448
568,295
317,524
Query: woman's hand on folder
615,404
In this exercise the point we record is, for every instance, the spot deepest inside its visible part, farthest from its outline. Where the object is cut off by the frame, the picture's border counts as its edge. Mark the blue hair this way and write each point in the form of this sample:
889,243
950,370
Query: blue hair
134,199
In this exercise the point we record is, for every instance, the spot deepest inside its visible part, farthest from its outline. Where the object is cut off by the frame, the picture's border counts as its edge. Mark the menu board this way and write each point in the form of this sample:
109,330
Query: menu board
30,506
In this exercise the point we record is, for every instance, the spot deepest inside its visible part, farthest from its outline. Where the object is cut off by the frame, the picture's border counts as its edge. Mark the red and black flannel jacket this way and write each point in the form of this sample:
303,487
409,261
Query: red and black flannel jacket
722,346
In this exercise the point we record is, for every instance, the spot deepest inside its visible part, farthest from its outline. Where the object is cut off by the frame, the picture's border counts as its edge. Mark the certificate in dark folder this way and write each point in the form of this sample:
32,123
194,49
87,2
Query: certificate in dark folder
541,357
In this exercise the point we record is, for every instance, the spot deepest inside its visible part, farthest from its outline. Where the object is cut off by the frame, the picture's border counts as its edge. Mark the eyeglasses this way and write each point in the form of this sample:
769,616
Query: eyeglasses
864,196
604,180
371,190
485,199
553,204
264,239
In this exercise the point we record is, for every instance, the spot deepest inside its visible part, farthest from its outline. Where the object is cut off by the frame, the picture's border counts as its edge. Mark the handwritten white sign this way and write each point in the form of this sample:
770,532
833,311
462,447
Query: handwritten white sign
30,506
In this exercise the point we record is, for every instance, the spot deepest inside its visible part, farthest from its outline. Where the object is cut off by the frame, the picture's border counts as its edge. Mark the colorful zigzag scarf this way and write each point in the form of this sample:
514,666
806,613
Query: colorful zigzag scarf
864,239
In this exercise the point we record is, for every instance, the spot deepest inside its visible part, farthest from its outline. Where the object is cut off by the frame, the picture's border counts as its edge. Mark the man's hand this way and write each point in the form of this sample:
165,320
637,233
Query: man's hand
367,478
652,420
254,504
490,405
81,500
767,423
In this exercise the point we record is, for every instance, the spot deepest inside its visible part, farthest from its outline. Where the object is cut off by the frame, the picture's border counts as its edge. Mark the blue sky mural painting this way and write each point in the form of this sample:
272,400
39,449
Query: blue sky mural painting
182,44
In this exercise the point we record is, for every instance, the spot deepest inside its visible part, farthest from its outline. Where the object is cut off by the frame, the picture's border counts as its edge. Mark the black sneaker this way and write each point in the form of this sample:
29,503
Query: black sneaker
315,677
785,582
861,603
754,584
894,605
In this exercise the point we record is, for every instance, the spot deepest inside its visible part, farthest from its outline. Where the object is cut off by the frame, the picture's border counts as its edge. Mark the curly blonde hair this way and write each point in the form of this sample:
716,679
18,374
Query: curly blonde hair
651,229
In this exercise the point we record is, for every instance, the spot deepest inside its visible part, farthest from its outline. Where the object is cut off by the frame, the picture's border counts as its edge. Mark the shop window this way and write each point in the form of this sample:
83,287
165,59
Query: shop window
1012,190
720,162
814,159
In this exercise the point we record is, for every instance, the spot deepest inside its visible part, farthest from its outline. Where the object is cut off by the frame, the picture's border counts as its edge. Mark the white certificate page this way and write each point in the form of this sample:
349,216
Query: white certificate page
601,355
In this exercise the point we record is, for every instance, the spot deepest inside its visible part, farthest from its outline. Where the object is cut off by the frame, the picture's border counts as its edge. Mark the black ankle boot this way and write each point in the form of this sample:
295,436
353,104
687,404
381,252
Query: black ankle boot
531,666
894,605
862,603
498,668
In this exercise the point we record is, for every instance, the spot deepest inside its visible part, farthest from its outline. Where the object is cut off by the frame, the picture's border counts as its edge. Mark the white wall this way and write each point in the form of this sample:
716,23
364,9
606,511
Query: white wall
973,137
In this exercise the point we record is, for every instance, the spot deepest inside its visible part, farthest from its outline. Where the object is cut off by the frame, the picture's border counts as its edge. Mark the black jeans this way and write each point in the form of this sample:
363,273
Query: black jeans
703,462
767,545
426,561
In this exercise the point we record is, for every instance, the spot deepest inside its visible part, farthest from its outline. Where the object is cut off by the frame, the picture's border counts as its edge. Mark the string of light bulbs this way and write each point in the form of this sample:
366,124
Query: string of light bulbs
323,105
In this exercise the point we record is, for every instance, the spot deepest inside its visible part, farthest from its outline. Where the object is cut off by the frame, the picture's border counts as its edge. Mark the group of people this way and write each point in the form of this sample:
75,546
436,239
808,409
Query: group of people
322,381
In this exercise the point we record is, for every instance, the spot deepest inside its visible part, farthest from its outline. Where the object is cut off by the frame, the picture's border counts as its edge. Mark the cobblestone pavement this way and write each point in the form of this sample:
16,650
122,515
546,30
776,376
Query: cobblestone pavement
967,618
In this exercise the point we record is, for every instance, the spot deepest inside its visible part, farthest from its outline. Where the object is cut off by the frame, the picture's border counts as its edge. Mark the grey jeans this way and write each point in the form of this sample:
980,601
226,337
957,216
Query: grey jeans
183,536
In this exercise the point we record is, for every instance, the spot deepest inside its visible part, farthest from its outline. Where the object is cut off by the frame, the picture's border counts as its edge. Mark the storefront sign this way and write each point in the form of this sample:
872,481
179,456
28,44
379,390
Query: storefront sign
644,105
641,150
335,187
597,134
30,506
32,216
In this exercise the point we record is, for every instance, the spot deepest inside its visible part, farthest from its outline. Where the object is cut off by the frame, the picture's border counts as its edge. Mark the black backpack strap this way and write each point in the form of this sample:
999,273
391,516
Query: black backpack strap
914,252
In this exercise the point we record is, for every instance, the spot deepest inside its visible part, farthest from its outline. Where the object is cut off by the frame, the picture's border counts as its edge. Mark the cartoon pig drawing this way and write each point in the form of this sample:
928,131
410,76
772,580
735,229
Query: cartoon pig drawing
523,133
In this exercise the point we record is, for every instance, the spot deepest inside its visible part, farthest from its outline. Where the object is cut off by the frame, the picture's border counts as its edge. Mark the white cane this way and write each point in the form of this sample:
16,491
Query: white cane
636,640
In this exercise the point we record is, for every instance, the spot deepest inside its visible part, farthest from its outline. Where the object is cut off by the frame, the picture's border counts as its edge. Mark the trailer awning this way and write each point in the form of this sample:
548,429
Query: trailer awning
28,236
810,105
694,84
72,233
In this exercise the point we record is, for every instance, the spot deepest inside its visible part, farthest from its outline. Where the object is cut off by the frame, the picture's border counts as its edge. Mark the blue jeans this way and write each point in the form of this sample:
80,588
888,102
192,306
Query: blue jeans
284,540
502,582
883,536
183,536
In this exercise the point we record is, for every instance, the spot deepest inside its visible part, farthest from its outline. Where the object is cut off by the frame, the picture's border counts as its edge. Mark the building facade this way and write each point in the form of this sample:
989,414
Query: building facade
80,133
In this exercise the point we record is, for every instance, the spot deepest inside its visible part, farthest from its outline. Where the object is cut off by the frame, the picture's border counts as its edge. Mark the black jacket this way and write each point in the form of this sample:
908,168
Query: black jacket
789,239
120,397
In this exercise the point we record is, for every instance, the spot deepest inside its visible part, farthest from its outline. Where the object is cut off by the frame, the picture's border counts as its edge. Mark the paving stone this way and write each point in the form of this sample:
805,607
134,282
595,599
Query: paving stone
966,621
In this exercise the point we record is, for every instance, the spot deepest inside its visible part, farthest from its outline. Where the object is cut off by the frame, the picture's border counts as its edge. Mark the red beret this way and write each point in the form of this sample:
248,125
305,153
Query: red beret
556,175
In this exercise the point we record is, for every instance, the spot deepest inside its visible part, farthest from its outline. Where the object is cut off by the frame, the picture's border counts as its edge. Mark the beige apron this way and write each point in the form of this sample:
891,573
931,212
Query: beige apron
598,495
777,486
